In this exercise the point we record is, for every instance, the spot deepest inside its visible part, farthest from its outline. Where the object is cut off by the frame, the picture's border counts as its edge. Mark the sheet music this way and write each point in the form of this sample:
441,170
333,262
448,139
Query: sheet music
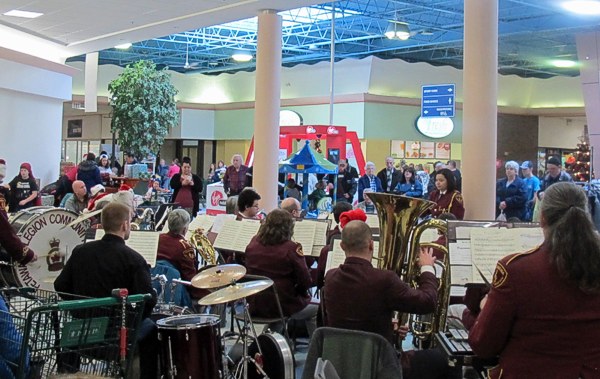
144,242
458,291
203,221
304,233
372,221
460,252
464,232
236,235
315,252
220,221
321,229
490,245
335,257
461,275
529,237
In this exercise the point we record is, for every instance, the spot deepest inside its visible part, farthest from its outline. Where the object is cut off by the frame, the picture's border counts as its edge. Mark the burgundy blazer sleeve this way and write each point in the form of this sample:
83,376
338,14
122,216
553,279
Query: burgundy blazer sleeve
11,243
303,278
421,300
493,325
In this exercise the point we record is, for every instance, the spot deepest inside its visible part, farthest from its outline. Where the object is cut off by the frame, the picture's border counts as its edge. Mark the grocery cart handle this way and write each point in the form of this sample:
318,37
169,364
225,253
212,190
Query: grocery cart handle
99,302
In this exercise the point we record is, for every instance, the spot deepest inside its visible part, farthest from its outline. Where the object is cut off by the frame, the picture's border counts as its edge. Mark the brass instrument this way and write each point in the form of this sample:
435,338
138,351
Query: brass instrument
204,247
399,251
144,221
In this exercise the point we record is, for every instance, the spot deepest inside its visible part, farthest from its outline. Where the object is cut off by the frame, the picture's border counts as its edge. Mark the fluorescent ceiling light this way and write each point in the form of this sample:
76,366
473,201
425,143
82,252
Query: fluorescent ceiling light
563,63
123,46
241,56
584,7
24,14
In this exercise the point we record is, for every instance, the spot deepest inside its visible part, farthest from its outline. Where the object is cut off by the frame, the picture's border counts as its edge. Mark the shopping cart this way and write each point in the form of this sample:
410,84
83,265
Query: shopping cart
40,335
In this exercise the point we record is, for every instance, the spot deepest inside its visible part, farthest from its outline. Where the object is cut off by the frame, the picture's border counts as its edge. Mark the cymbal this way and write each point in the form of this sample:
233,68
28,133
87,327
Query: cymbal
235,291
218,276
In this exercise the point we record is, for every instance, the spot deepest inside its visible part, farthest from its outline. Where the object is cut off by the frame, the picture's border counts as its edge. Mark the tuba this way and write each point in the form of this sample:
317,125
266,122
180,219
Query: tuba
143,221
204,247
399,247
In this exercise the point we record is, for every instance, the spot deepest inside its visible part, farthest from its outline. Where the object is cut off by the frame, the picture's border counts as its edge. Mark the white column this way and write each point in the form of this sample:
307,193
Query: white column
480,109
91,82
266,116
588,52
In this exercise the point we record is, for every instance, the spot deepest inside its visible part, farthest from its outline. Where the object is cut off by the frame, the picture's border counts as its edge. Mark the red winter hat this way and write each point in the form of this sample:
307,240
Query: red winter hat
125,187
357,214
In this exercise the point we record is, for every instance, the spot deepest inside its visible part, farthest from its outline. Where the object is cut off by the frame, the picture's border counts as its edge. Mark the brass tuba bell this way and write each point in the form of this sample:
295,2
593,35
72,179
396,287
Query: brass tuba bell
204,247
399,246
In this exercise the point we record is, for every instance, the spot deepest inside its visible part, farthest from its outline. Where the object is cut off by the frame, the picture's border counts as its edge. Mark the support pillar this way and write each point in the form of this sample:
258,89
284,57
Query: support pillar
480,110
266,115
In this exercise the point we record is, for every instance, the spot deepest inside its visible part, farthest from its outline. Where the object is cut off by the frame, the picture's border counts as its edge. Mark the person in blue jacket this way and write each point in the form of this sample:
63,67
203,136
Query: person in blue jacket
511,193
409,185
368,180
10,345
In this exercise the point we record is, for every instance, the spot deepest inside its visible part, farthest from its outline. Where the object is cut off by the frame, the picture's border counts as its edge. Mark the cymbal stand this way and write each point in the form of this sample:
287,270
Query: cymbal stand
248,325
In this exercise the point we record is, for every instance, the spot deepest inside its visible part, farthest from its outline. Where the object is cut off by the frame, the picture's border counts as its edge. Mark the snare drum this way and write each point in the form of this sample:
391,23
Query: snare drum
190,347
41,228
168,310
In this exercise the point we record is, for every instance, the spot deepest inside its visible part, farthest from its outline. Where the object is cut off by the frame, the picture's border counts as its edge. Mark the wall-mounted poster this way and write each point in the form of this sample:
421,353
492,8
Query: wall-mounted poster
412,149
427,150
397,149
442,150
74,128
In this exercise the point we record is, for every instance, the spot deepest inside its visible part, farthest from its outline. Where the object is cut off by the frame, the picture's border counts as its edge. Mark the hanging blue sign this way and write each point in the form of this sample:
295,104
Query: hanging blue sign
438,100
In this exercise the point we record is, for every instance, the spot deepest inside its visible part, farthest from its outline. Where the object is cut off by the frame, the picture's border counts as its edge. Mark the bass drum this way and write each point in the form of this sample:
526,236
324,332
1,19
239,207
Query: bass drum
44,230
277,359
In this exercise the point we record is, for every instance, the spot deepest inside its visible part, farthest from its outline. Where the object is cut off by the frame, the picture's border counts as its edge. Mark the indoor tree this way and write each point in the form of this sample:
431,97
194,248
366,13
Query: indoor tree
144,108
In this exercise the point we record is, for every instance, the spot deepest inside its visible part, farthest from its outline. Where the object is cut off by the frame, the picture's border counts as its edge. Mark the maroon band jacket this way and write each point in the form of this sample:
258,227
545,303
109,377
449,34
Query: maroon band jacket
541,325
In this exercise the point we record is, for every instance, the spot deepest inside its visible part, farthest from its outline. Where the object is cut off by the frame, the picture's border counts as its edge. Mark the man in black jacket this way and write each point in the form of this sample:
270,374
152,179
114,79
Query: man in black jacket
96,268
187,188
389,176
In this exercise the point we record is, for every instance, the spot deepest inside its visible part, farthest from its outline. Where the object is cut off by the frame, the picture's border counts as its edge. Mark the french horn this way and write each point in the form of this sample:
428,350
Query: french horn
400,232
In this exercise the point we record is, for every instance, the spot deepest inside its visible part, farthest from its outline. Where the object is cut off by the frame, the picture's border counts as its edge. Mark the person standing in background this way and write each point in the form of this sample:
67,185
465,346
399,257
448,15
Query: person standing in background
457,175
234,180
532,184
88,172
186,188
173,169
162,170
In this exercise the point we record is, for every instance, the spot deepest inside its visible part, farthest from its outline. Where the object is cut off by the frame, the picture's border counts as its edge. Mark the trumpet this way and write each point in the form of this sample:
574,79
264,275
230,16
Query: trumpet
204,247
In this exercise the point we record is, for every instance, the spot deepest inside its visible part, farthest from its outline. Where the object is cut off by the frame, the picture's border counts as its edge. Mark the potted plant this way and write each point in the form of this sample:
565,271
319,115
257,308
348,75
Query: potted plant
144,108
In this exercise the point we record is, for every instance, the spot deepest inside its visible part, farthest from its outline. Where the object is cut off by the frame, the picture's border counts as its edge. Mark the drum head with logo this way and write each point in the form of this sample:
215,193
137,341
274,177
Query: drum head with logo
41,228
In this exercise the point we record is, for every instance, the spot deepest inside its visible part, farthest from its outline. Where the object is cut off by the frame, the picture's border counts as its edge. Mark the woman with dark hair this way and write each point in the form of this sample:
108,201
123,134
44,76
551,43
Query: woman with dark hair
542,315
248,205
409,185
273,254
446,197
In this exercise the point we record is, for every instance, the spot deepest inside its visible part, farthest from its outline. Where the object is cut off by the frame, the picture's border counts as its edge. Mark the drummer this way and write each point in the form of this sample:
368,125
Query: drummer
10,242
174,248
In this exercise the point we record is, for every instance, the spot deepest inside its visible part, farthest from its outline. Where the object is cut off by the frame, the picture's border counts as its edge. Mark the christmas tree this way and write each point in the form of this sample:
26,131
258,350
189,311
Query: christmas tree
581,166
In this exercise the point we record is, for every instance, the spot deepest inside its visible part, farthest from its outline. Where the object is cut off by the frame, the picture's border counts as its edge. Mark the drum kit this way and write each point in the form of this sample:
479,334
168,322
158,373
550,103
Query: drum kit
191,345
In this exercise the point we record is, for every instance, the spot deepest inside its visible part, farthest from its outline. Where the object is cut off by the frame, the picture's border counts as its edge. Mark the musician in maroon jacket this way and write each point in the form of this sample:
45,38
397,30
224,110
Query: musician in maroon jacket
273,254
542,315
173,247
360,297
446,196
13,245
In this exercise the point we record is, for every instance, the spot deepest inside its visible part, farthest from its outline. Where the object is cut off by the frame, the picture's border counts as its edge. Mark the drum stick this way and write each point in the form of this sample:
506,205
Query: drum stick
179,281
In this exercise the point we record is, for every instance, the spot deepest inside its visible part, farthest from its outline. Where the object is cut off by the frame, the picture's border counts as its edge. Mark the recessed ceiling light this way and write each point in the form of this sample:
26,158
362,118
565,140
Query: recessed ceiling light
584,7
241,56
24,14
563,63
123,46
